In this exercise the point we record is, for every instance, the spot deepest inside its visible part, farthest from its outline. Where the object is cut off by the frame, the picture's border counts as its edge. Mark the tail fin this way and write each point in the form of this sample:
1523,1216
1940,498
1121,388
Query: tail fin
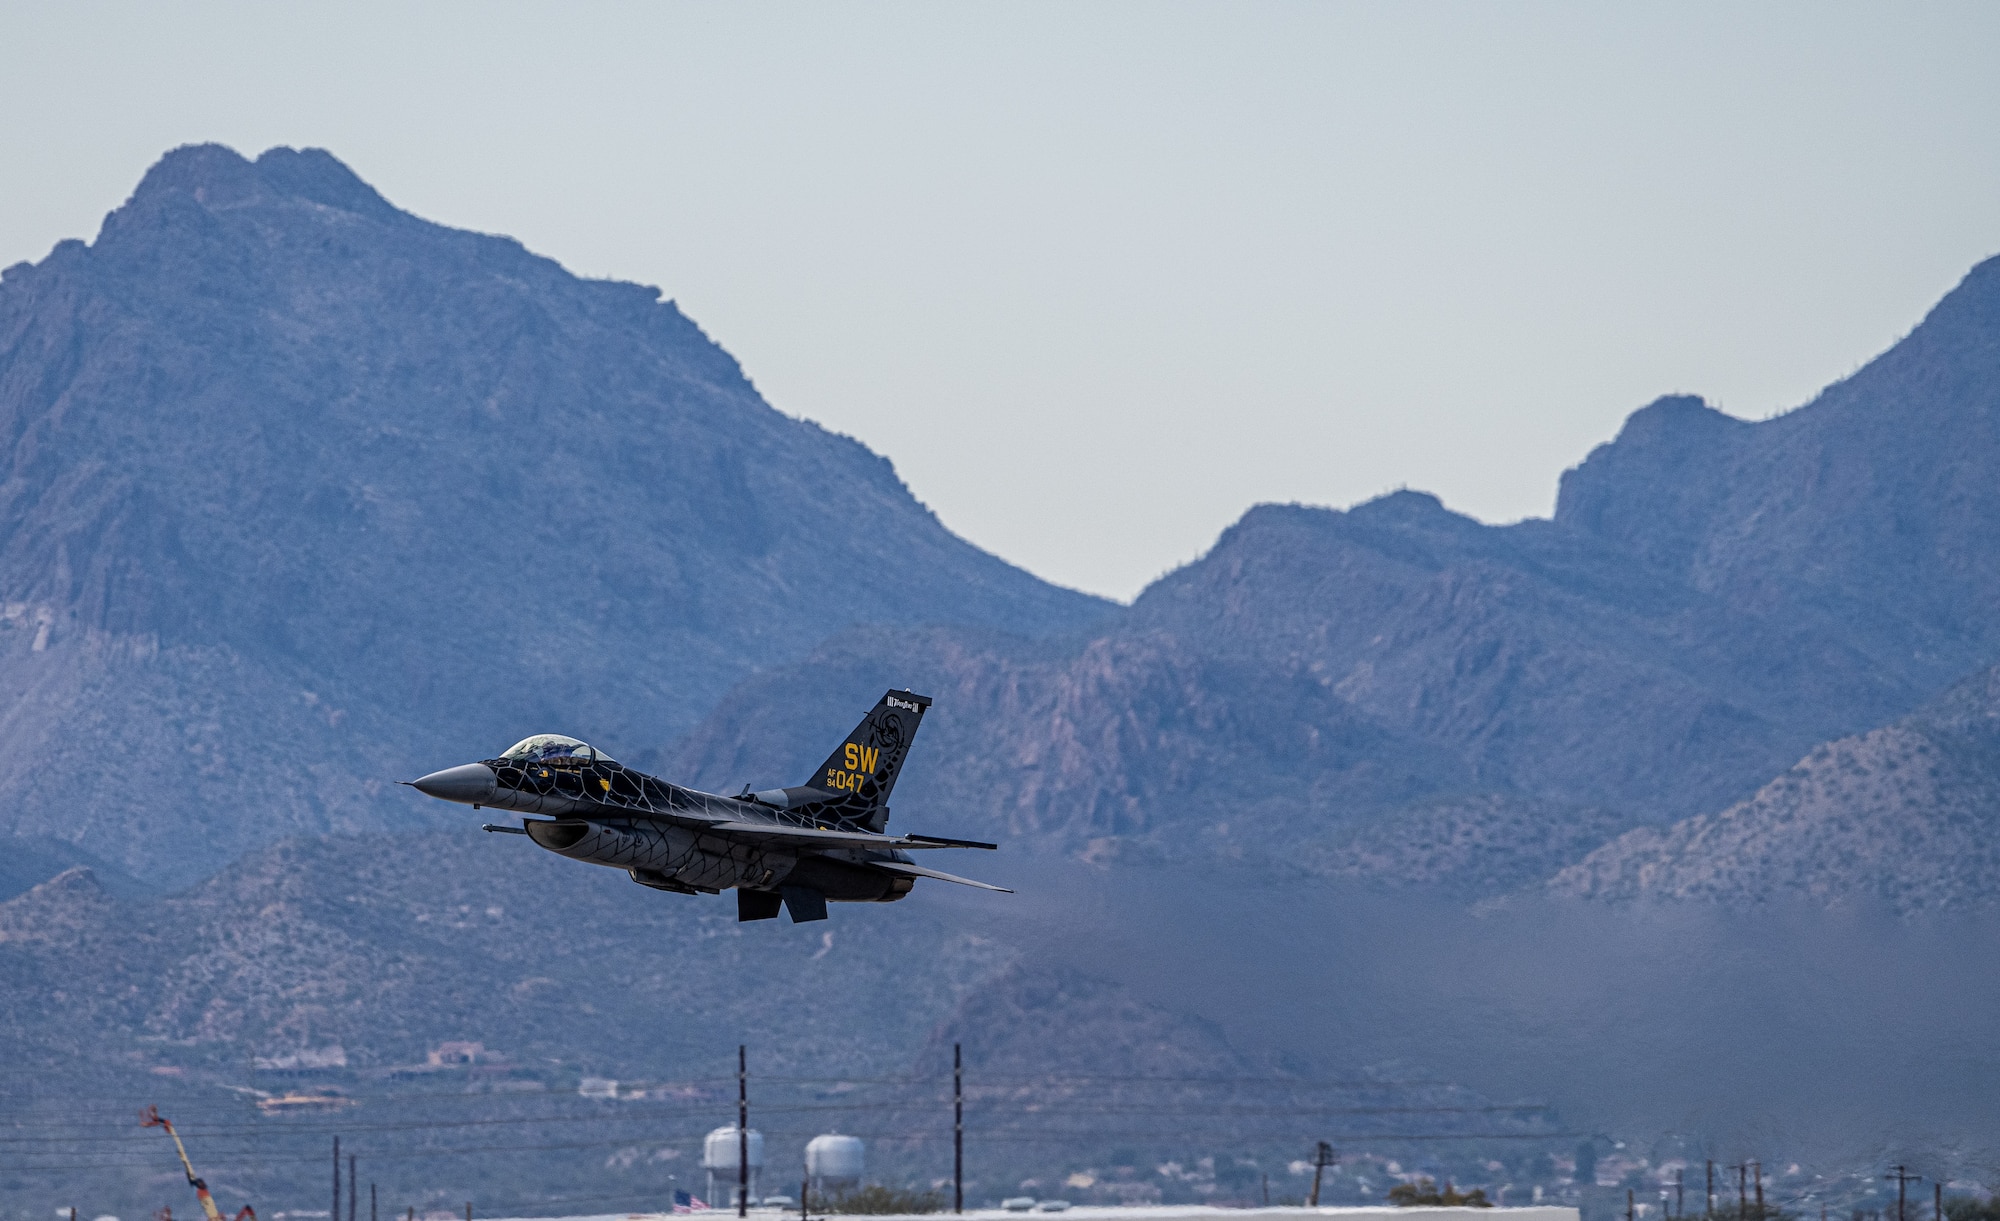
864,768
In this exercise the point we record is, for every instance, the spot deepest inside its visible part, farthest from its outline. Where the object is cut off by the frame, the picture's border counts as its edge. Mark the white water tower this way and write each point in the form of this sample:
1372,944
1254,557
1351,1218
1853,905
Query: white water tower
834,1162
719,1156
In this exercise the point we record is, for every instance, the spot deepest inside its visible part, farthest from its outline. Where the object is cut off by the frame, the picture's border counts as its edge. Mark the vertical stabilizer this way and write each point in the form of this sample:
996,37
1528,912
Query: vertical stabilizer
863,769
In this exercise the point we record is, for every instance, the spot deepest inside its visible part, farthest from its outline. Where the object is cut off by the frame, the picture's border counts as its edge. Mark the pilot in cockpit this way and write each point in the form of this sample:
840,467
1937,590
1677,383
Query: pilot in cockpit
552,750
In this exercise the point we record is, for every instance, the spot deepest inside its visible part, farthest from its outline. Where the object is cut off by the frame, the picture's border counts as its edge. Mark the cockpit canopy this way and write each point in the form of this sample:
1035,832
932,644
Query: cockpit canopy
553,748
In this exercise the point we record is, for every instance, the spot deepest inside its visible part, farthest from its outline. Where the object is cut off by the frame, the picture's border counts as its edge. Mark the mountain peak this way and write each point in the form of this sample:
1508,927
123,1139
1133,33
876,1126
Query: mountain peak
1406,506
196,167
217,176
317,175
1665,448
1675,419
1970,311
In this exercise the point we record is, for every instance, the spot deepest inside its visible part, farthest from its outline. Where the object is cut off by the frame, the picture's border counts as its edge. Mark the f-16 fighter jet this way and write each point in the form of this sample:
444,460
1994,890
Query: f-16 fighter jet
794,847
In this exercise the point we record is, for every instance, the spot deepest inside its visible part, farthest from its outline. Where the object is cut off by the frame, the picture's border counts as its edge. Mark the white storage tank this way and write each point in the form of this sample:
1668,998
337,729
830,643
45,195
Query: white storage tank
719,1154
834,1160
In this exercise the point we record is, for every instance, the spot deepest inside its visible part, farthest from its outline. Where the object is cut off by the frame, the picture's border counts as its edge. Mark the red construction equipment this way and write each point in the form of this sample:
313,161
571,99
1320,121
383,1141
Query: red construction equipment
150,1117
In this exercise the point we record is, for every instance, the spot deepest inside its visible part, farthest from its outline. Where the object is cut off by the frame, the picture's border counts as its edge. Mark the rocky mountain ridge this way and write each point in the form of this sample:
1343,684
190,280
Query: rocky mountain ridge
307,494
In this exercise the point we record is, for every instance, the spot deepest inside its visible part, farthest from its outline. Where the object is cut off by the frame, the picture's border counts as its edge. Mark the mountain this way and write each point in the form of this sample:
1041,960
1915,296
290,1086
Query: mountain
301,494
1906,816
1547,662
1066,741
305,494
1874,506
1338,691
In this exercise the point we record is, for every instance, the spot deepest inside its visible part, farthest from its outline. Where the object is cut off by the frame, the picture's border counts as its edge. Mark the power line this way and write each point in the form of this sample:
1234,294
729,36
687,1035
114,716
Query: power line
648,1114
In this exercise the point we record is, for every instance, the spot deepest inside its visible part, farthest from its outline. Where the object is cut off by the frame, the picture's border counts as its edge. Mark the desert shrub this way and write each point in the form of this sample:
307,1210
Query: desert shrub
1968,1208
877,1200
1425,1191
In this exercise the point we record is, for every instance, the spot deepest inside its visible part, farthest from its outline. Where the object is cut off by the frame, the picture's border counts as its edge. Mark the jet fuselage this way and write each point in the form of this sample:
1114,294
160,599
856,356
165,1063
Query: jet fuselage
605,813
802,846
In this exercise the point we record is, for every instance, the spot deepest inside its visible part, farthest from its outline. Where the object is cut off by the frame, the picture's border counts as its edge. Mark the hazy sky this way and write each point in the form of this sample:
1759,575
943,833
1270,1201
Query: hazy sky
1098,277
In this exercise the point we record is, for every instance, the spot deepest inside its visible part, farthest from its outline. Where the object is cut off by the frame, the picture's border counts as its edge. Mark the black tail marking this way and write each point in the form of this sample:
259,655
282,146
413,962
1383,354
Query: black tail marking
862,770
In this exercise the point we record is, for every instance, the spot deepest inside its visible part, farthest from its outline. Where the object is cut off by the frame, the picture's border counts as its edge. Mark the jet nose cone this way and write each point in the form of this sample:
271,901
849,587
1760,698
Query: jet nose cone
470,782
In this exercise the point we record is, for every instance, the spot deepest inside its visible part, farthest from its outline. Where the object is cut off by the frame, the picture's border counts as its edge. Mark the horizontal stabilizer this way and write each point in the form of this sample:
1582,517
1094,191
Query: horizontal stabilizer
939,841
778,833
918,871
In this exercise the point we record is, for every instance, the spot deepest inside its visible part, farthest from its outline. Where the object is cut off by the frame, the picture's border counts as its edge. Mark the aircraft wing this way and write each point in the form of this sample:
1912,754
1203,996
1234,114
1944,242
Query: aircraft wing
919,871
778,833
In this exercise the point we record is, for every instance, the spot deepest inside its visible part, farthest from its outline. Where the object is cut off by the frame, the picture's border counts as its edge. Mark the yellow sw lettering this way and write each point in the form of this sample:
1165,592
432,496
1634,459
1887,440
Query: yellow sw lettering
852,761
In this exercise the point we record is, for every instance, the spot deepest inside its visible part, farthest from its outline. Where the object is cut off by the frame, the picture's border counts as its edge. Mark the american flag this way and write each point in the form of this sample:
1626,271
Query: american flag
685,1203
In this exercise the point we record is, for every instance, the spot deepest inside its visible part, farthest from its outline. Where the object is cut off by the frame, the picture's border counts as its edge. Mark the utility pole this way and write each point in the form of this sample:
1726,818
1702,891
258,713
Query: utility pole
371,1202
957,1128
1631,1209
1758,1169
1937,1200
353,1196
1710,1211
742,1130
1680,1200
335,1214
1323,1156
1742,1170
1903,1179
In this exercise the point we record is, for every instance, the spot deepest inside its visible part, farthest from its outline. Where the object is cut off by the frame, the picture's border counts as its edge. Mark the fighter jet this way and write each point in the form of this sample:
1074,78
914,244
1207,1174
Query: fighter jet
796,847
